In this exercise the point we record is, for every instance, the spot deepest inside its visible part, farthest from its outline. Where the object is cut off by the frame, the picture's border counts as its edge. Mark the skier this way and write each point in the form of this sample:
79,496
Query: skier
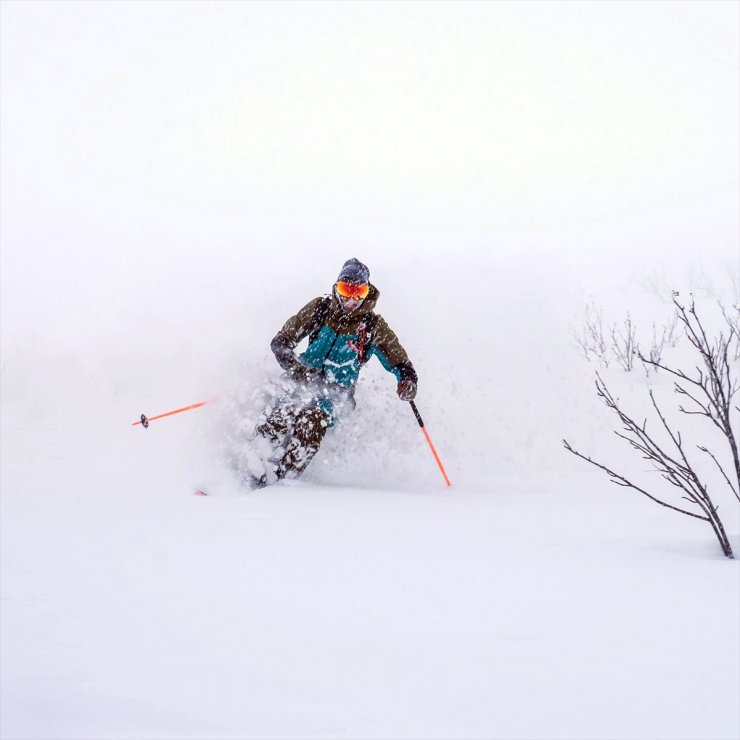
343,333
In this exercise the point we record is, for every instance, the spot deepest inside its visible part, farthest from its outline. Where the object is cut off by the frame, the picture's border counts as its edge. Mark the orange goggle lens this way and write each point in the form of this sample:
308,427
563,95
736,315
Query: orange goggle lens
352,290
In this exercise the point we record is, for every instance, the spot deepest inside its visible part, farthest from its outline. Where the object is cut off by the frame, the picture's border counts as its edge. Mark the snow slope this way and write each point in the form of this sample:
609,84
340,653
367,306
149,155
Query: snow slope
533,599
514,607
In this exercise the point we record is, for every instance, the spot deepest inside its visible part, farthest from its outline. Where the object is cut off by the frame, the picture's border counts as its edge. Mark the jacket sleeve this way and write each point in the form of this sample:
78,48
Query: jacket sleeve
390,352
295,328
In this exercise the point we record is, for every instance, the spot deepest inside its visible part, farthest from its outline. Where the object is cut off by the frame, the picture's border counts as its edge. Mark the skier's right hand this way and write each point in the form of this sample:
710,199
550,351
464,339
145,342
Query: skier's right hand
282,348
300,373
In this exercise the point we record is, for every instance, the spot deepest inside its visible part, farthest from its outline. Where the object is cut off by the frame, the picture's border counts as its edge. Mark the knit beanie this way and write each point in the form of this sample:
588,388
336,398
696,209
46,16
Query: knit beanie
354,271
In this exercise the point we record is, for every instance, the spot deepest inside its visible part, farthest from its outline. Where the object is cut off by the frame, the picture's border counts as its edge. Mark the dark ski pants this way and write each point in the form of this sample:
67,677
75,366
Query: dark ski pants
299,431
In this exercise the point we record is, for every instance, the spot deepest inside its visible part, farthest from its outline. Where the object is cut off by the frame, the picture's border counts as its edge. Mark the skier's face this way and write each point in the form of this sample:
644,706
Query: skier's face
351,295
349,304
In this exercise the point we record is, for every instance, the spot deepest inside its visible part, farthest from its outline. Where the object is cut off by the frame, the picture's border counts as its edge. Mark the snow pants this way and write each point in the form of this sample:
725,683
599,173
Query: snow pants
297,433
296,425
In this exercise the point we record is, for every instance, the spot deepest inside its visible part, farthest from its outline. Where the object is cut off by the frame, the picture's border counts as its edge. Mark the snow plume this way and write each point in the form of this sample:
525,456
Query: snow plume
375,446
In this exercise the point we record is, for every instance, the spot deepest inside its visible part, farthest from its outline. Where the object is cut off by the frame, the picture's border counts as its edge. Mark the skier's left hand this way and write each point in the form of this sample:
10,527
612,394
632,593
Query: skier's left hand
406,390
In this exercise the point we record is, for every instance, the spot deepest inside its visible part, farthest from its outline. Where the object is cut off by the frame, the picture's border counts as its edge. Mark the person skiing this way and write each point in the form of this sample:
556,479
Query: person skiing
343,332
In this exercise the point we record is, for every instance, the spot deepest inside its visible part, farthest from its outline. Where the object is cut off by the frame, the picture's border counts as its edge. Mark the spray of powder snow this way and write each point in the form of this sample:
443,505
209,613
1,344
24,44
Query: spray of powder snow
377,445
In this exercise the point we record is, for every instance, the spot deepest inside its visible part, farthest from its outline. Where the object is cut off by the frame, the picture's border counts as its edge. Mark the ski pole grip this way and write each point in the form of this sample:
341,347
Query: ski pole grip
417,414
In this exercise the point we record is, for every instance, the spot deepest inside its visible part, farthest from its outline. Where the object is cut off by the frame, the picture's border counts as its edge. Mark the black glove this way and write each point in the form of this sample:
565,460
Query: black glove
406,390
282,348
301,373
407,381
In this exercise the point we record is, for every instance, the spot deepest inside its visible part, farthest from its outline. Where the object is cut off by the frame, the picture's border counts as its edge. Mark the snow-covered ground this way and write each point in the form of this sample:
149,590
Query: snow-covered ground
207,170
517,606
533,599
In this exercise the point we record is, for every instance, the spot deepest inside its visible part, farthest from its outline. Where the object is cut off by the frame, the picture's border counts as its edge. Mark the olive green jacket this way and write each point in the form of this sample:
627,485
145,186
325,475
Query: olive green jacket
340,342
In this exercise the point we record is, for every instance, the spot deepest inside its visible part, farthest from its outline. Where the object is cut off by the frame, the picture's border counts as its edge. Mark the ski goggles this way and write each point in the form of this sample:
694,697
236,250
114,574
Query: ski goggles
353,290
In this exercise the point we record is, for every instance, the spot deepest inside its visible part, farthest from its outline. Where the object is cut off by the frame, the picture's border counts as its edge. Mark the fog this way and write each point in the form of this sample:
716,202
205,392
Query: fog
179,178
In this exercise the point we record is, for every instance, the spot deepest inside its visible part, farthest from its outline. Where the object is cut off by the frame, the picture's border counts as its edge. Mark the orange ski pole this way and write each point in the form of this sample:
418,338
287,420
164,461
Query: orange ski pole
144,420
429,440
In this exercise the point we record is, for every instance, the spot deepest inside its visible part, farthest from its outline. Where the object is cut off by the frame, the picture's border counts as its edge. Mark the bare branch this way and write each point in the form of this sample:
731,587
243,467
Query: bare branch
622,481
721,470
624,344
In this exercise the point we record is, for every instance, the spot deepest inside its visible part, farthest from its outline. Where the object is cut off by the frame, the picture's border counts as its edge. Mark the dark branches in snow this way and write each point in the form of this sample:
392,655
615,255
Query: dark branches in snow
709,391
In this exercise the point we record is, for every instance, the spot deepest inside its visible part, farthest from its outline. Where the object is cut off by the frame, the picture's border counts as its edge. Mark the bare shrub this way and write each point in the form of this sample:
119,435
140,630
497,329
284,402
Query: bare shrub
591,338
669,336
619,343
708,391
624,344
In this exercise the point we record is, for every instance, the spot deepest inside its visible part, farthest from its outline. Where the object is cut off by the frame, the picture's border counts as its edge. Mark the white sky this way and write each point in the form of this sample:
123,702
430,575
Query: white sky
145,143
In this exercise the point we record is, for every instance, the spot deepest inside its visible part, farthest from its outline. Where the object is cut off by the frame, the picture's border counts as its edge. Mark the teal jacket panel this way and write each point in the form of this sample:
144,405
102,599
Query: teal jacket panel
337,356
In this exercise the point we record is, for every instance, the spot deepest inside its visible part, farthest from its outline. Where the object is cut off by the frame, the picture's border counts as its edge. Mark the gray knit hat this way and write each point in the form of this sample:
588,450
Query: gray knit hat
354,271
